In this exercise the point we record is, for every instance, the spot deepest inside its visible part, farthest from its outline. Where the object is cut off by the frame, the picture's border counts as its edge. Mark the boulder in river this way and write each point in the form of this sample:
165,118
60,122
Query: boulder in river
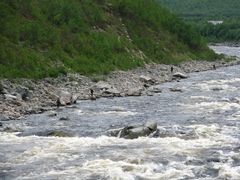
154,89
57,133
64,118
66,98
175,89
132,132
180,75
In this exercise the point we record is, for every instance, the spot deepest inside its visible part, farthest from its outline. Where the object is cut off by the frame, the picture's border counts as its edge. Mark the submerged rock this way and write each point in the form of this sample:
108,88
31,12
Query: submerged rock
132,132
175,89
52,114
64,118
10,129
57,133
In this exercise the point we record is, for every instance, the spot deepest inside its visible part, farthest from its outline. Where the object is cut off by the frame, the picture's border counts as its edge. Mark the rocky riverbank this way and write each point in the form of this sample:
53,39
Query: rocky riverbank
19,97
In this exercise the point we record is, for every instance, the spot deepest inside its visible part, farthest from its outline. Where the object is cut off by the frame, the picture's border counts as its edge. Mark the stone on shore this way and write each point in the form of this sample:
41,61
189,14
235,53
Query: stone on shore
113,92
66,98
23,92
10,97
147,80
105,89
102,86
134,92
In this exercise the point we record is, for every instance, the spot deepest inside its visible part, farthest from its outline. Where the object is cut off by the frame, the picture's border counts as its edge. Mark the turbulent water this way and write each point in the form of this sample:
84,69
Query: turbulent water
200,132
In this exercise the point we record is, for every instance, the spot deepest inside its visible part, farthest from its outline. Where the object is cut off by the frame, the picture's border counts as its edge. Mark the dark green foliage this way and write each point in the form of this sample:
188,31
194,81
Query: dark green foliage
228,31
199,12
40,38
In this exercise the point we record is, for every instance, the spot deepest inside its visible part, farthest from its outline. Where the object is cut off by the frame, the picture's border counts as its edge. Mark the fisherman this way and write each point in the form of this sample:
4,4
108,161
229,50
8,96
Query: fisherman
214,66
91,92
58,103
171,69
92,97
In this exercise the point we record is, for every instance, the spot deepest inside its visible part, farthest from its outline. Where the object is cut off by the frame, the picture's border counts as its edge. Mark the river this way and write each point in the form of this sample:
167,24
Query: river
200,132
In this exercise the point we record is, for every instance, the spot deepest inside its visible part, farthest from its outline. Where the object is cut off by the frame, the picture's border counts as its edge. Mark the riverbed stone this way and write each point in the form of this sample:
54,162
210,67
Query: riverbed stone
58,134
4,117
64,118
132,132
10,97
134,92
176,89
147,80
66,98
180,75
155,89
102,86
23,92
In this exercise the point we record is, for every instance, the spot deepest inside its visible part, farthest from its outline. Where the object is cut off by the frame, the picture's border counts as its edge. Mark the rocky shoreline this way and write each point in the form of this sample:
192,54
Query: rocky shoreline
19,97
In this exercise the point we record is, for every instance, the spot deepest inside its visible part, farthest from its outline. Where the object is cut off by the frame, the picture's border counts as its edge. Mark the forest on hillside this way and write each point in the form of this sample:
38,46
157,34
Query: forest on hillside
199,12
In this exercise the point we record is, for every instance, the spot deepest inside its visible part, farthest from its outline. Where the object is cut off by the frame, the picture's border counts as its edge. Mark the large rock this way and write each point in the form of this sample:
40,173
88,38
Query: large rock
10,97
23,92
176,89
66,98
132,132
102,86
154,89
180,75
111,92
105,89
147,79
134,92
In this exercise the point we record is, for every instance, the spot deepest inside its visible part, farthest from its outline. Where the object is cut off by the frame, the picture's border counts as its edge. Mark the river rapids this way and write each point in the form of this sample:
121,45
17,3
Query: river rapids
200,135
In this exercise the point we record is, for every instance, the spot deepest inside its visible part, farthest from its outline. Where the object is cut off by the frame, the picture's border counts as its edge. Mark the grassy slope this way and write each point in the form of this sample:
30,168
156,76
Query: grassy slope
40,38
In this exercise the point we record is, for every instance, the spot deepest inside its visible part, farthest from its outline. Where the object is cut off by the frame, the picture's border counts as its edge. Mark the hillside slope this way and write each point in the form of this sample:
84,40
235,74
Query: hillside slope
40,38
